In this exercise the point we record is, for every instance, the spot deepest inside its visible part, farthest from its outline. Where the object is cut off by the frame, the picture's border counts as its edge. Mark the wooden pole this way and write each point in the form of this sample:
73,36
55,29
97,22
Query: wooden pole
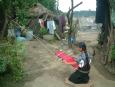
70,22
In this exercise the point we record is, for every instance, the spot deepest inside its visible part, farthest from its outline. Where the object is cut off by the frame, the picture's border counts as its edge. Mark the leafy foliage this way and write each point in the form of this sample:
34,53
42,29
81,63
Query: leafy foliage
22,17
42,32
3,64
113,52
50,4
19,8
11,55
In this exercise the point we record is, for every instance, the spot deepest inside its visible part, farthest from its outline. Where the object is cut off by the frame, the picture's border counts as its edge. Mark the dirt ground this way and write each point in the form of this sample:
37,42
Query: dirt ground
43,69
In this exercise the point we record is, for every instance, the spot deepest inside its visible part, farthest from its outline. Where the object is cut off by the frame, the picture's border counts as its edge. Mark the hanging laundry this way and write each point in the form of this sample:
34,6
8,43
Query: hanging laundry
41,21
62,23
51,26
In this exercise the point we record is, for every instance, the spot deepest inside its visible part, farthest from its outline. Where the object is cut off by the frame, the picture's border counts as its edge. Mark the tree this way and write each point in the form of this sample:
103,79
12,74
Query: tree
50,4
10,8
72,31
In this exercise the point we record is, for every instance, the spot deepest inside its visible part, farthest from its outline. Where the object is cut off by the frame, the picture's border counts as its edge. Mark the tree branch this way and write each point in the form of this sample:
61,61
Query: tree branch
74,7
68,13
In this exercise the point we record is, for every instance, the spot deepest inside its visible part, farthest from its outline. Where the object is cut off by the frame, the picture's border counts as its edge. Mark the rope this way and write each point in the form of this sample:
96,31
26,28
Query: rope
37,38
41,42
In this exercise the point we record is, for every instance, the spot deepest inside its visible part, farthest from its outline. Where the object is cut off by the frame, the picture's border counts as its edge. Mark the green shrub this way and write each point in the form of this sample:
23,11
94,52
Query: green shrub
12,55
3,64
113,52
42,32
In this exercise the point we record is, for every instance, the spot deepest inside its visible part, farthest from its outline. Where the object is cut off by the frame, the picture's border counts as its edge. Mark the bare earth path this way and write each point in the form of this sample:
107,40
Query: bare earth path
44,70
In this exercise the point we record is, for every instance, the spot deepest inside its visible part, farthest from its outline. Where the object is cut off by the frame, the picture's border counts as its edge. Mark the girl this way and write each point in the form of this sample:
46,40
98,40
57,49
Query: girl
81,75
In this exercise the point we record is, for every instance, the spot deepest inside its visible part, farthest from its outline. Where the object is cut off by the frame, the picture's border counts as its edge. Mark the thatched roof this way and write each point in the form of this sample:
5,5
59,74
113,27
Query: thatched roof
39,10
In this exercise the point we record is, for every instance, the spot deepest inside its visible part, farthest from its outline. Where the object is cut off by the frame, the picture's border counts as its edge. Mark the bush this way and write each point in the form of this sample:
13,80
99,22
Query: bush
3,64
42,32
113,52
11,55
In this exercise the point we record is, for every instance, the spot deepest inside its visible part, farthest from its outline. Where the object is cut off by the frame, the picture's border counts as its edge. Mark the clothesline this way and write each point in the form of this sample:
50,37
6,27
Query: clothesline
37,38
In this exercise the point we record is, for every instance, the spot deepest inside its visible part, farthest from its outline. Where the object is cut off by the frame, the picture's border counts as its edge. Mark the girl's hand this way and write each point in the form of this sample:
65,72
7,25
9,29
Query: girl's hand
75,69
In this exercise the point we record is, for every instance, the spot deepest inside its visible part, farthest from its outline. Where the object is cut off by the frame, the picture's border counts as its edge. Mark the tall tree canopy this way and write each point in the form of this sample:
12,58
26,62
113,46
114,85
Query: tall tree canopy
10,8
50,4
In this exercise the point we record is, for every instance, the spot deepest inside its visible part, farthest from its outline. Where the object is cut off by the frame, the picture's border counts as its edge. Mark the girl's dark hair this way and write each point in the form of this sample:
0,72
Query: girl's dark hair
83,46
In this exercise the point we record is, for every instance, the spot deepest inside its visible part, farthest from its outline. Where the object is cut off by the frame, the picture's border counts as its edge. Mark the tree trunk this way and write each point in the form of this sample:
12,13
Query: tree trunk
4,31
71,33
107,35
2,19
71,24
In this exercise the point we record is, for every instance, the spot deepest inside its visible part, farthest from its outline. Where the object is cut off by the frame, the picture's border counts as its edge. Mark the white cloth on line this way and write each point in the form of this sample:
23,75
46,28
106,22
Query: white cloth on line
51,26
